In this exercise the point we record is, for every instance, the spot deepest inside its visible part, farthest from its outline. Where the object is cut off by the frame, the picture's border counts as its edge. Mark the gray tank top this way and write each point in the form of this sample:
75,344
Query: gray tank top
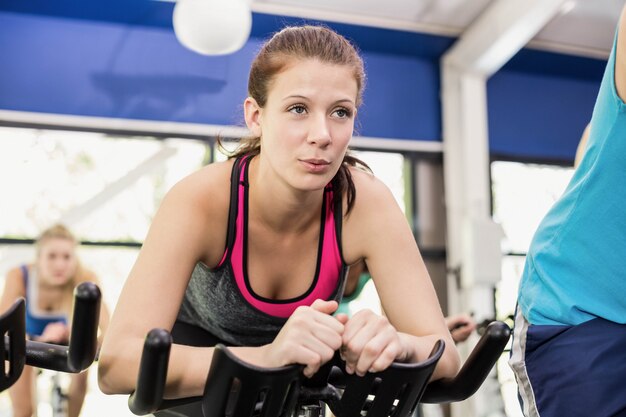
221,301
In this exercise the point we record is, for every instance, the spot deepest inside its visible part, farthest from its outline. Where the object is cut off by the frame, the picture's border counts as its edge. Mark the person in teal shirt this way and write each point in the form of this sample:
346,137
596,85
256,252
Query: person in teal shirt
570,328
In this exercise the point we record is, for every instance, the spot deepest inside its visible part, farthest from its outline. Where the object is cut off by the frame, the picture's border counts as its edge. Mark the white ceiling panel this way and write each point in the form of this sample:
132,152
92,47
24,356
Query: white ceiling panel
586,27
396,9
453,14
445,17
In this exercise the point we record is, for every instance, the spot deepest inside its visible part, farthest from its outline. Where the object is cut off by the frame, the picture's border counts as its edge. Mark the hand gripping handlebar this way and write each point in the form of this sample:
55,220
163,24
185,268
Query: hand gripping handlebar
238,389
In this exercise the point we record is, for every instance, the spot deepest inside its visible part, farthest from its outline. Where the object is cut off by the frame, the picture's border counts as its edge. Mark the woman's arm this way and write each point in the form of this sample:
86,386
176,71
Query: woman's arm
103,322
377,231
189,226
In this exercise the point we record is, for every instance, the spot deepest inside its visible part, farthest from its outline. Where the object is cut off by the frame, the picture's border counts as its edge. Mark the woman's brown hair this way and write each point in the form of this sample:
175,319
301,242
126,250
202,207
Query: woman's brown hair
302,42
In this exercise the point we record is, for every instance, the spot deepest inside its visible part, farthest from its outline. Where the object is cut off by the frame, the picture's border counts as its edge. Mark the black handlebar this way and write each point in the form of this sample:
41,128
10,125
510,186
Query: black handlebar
152,375
78,356
475,369
13,350
83,345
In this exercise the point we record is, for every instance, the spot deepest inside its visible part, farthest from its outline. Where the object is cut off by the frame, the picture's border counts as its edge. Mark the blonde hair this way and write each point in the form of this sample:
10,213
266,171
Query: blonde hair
60,231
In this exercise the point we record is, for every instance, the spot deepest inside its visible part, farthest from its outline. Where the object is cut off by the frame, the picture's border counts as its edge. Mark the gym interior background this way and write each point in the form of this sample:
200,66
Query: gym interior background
472,114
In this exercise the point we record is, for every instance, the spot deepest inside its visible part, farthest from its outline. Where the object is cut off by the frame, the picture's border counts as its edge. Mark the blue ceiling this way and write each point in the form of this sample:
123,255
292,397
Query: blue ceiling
120,59
151,13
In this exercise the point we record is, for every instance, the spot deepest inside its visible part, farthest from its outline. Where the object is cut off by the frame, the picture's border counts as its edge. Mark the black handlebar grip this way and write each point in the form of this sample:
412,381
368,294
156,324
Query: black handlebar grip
475,370
84,337
152,373
13,348
81,352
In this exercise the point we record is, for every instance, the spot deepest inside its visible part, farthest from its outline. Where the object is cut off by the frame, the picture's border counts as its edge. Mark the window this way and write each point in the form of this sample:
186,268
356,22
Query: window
522,195
104,187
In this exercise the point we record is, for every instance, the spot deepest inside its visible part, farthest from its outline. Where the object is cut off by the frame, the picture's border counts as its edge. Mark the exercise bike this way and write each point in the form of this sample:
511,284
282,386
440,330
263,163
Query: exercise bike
75,357
238,389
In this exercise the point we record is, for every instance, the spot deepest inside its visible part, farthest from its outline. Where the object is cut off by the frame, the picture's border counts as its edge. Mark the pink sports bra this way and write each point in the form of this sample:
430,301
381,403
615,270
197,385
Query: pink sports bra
329,261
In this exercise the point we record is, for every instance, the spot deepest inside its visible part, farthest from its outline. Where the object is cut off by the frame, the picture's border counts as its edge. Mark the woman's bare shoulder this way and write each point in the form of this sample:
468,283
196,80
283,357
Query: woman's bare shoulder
15,272
195,211
373,203
213,175
16,275
369,189
13,287
206,187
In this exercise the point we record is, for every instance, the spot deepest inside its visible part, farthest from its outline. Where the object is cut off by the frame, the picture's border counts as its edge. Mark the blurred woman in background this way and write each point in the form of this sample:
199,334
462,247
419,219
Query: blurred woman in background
48,285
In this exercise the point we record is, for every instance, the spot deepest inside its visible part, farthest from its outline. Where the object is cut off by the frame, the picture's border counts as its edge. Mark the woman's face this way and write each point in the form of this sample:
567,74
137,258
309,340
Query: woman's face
56,262
307,122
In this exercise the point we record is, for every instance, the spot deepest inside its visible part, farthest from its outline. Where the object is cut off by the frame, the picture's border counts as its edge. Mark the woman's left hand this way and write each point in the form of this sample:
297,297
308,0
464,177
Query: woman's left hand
56,332
370,344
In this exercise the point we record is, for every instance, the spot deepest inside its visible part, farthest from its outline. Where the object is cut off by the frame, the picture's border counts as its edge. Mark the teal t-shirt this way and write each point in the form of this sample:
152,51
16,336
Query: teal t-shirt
576,265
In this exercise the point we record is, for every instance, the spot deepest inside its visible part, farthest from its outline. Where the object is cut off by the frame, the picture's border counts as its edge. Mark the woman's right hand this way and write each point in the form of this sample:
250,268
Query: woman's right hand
55,332
310,337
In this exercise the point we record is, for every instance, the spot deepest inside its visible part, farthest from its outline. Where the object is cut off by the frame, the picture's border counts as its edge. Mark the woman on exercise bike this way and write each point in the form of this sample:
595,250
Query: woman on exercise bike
48,286
253,251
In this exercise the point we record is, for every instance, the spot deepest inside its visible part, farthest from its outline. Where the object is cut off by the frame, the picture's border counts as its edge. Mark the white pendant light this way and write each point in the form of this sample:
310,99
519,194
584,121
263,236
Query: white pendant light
212,27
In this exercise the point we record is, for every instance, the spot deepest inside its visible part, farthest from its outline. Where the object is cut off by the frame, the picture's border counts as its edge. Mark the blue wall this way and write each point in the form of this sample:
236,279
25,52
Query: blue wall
538,117
85,61
66,66
110,69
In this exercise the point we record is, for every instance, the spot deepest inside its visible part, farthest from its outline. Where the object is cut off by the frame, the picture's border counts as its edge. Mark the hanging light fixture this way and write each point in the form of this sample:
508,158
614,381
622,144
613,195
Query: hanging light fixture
212,27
